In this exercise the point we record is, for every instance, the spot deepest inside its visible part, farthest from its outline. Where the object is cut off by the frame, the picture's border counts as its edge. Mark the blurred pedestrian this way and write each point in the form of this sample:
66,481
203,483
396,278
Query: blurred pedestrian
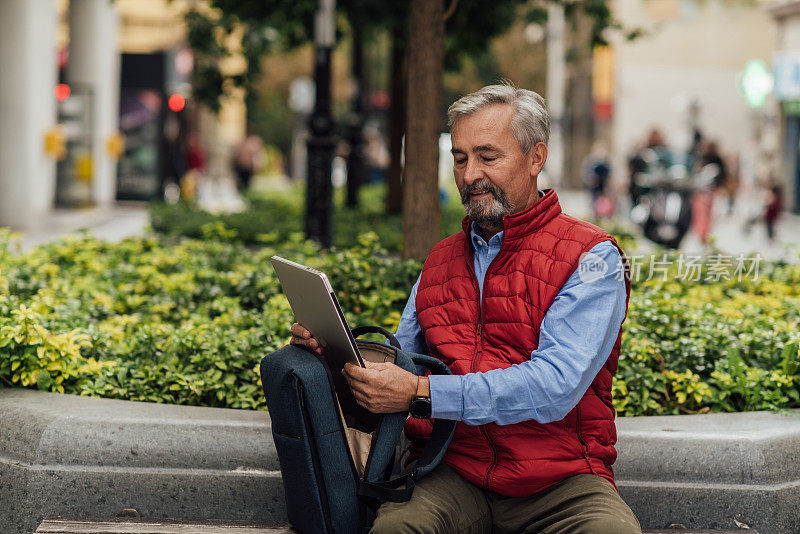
657,143
174,150
195,153
596,173
376,155
712,156
731,187
651,155
771,210
710,175
636,166
247,158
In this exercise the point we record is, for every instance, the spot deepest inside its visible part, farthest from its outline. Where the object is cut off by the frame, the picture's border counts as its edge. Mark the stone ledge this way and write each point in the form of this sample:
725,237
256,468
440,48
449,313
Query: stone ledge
69,455
712,470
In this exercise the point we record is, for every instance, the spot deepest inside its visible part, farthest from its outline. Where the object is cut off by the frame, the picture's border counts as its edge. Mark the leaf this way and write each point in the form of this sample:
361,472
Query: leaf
789,357
44,381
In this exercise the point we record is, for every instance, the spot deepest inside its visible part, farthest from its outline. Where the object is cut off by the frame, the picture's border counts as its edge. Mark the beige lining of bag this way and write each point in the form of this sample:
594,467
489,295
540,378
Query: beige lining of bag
357,441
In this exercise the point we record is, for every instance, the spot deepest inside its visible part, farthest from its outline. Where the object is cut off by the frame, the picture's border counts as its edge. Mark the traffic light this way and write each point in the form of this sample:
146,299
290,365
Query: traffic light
62,92
176,102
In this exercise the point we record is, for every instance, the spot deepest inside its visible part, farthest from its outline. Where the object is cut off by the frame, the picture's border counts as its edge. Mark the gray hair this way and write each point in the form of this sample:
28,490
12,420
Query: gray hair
531,122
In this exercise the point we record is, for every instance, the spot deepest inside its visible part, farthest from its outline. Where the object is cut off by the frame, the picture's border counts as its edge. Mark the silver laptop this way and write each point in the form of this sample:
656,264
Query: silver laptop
315,307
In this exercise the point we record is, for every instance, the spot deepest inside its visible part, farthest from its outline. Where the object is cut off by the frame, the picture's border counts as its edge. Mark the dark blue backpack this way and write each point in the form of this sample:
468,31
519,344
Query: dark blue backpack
337,463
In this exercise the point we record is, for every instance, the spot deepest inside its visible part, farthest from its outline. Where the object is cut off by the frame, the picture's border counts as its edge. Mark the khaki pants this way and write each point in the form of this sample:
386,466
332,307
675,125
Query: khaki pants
443,502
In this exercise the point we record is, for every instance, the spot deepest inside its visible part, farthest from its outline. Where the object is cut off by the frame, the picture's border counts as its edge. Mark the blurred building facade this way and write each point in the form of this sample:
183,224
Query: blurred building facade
27,109
683,74
786,61
76,72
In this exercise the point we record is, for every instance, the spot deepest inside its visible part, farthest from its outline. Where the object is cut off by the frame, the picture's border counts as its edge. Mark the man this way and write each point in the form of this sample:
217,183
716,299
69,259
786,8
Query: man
525,306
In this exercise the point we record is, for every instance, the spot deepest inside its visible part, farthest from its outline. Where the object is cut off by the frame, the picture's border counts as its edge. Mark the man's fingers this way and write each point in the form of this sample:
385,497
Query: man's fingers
300,331
363,400
358,390
351,373
377,366
302,336
310,343
358,373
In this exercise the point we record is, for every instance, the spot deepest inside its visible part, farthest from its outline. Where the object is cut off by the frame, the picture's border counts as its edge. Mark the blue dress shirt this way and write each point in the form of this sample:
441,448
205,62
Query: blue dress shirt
576,337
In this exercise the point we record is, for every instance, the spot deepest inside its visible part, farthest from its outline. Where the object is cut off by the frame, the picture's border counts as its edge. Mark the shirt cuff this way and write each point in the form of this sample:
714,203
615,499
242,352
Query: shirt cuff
447,401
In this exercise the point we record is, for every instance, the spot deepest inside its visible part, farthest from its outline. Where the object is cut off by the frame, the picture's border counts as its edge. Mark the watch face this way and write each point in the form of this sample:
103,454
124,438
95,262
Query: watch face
420,408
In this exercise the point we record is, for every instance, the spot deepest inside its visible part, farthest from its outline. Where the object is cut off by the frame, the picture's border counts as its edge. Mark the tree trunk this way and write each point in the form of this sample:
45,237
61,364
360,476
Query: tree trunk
579,112
421,213
397,123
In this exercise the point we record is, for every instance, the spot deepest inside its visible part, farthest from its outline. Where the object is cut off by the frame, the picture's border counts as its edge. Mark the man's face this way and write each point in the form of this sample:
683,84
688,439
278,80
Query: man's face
493,175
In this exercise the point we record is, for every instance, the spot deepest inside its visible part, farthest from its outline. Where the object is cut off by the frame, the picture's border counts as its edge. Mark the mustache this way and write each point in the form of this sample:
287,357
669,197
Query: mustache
496,192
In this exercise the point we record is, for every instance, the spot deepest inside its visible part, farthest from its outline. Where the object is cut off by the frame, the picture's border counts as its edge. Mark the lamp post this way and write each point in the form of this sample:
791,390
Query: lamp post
355,161
319,191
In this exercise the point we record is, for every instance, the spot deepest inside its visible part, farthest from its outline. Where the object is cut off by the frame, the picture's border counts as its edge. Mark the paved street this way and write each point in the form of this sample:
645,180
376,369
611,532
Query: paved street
114,223
728,231
122,220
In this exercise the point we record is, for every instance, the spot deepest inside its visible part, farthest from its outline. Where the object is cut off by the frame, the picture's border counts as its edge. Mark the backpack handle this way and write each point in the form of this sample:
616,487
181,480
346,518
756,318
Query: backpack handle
361,330
434,365
432,454
399,489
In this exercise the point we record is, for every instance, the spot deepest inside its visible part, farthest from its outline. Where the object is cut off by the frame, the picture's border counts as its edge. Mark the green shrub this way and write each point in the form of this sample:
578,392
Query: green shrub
183,323
722,345
187,321
271,217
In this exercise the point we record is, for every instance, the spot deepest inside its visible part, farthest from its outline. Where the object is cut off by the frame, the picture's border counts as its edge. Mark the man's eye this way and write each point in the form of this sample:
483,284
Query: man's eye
460,161
489,158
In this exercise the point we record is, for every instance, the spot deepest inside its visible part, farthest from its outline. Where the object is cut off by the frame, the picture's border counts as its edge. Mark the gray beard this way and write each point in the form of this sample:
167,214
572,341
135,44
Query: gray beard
487,215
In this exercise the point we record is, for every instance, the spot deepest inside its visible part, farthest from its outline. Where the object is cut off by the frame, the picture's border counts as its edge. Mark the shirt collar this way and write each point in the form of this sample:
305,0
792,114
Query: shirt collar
477,239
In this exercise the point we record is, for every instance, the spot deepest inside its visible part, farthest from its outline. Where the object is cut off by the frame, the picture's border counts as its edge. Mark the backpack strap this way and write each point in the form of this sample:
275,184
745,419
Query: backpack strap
361,330
399,489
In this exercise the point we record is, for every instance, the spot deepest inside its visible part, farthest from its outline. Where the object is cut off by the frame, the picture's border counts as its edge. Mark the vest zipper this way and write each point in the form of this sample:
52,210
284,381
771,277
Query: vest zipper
584,446
479,325
478,349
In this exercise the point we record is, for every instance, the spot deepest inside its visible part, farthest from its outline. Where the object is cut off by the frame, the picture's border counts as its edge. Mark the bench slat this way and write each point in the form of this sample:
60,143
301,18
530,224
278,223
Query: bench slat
695,531
129,525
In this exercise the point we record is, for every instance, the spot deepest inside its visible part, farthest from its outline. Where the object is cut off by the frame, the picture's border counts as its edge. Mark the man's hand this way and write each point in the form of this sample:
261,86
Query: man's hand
381,387
302,336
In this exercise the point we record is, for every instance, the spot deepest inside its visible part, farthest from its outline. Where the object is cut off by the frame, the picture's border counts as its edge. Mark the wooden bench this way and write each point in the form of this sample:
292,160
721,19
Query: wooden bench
139,525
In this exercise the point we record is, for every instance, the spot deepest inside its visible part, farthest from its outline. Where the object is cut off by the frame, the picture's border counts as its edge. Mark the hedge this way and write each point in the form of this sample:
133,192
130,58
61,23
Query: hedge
187,321
270,217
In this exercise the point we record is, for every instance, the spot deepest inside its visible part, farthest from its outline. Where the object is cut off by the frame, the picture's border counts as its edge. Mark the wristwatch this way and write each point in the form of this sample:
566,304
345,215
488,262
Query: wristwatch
420,407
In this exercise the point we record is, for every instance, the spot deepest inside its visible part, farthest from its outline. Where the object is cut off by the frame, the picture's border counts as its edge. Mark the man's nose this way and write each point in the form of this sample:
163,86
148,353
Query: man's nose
472,172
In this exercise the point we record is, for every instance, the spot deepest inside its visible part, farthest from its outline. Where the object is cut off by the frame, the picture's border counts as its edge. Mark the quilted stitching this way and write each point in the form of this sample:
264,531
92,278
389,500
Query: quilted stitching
541,248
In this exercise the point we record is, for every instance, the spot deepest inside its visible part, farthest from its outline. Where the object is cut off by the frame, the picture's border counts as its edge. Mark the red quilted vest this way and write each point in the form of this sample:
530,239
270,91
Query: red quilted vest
541,248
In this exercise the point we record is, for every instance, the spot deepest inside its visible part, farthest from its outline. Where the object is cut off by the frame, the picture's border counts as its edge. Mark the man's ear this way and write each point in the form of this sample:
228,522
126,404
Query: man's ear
538,156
